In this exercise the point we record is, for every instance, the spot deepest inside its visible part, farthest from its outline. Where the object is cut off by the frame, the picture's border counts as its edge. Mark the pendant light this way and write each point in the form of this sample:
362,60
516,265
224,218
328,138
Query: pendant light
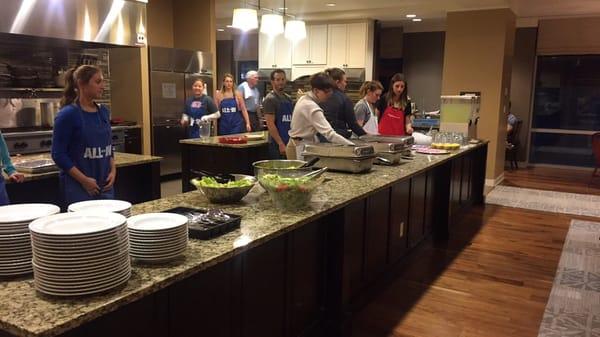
295,30
245,19
271,24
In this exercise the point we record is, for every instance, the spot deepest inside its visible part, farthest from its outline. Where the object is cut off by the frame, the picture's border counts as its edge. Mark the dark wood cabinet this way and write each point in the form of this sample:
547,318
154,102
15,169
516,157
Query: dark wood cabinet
430,205
202,302
376,234
398,232
417,209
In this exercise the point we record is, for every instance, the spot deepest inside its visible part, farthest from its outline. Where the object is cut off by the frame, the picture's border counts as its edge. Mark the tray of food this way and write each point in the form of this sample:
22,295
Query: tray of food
233,140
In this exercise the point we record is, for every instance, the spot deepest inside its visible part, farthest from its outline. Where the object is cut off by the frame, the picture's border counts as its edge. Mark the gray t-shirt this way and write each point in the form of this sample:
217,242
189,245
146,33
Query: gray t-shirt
271,102
251,96
362,111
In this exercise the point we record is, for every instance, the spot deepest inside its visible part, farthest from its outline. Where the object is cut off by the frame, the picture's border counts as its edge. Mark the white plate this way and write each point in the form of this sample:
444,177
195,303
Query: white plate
156,221
68,275
90,249
105,205
7,238
81,240
77,258
161,237
77,223
87,291
154,252
83,269
26,212
15,273
78,265
157,245
81,282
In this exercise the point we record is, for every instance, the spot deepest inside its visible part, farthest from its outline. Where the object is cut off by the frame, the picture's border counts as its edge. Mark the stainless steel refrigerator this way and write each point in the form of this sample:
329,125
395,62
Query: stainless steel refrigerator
173,71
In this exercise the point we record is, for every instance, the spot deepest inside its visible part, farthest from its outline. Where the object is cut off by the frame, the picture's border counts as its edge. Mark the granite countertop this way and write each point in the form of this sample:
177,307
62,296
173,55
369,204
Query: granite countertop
214,141
25,313
121,159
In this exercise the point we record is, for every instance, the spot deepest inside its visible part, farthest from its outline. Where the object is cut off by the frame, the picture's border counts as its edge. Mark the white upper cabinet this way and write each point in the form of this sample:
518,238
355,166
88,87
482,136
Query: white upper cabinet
312,49
347,45
274,52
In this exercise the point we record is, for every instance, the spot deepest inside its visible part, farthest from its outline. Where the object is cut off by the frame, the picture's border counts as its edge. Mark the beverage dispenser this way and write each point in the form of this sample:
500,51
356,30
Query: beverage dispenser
460,114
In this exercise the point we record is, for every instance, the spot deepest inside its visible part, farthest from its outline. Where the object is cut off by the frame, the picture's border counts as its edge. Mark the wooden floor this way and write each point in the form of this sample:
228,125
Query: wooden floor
492,278
545,178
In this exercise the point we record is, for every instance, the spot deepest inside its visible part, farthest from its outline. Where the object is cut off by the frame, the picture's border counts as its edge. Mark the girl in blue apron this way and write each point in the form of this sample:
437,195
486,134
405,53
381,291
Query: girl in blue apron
234,116
82,139
198,109
8,167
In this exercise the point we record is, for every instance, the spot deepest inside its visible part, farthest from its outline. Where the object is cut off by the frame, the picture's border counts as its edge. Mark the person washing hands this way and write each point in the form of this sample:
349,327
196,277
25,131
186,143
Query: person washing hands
9,169
82,139
198,109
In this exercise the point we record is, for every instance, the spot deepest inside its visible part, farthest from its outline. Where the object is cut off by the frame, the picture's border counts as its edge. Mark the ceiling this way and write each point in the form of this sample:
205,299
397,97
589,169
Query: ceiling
393,12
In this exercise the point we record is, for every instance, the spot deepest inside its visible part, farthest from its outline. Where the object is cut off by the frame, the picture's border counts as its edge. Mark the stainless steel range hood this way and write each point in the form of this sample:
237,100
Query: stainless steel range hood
112,22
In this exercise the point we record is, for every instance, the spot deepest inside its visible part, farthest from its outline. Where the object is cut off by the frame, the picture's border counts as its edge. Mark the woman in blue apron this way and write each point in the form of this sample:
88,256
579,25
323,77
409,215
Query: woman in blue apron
234,116
10,170
199,109
82,139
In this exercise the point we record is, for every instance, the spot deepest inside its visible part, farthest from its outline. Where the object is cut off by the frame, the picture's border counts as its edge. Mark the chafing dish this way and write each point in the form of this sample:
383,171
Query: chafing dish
405,140
391,148
344,158
36,166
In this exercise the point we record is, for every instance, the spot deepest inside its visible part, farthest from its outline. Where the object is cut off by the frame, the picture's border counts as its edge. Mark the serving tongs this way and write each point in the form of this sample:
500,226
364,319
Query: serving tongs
221,178
315,174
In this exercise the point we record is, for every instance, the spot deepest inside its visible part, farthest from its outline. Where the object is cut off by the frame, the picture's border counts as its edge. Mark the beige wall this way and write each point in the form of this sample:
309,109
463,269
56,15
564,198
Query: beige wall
160,23
477,57
194,25
569,36
522,83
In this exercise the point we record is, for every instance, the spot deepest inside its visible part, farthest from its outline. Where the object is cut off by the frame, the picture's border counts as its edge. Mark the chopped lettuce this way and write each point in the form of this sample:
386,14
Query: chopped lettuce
211,182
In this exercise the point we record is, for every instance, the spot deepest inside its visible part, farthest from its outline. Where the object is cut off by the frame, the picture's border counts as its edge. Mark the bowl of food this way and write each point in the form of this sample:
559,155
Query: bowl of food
224,193
287,182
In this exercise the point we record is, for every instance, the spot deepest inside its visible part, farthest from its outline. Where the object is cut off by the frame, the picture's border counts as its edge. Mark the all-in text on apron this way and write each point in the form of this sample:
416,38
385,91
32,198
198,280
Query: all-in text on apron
231,120
283,122
97,154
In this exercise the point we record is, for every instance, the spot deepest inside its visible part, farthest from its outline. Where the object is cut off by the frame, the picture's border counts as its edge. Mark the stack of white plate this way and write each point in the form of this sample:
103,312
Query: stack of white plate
103,205
15,241
80,253
157,237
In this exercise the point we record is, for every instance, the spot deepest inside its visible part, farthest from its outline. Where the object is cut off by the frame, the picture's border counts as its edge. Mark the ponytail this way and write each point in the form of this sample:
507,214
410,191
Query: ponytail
369,86
74,76
70,93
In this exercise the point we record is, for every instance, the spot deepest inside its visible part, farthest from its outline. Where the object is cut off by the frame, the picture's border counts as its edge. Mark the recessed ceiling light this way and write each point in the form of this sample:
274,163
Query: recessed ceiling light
220,30
410,16
229,26
417,20
282,8
331,4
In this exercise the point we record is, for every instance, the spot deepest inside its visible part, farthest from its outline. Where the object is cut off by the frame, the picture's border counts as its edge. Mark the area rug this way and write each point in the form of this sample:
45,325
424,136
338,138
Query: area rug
549,201
573,308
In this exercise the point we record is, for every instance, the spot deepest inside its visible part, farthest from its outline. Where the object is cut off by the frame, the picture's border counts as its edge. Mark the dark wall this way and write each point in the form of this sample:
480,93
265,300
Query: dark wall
423,62
225,63
522,82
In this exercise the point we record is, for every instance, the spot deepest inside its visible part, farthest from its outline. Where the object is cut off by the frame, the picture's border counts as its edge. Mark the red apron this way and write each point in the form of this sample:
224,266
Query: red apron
392,122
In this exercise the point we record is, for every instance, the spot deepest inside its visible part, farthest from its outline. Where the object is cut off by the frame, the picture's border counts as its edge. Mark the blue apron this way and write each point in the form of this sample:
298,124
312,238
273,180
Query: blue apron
96,143
195,108
3,195
231,120
283,121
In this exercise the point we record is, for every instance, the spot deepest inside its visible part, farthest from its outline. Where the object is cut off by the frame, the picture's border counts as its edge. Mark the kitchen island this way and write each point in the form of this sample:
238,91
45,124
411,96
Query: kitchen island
281,274
138,180
202,153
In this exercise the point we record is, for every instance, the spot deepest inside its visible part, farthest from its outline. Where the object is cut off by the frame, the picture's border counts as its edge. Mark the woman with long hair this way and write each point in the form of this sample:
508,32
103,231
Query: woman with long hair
365,110
82,138
395,119
198,109
234,116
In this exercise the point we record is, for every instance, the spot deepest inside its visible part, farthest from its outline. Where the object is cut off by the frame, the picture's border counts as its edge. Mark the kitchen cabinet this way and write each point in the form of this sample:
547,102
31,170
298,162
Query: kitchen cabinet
347,45
274,52
312,49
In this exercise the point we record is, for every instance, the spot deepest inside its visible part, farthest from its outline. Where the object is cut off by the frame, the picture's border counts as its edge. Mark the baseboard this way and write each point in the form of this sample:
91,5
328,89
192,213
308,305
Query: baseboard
494,182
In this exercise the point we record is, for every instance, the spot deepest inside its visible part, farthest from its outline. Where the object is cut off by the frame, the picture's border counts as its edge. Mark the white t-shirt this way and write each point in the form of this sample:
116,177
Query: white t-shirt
308,120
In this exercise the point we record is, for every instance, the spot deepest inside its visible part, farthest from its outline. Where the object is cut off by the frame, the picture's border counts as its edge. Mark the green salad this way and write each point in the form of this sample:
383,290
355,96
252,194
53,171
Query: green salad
288,193
211,182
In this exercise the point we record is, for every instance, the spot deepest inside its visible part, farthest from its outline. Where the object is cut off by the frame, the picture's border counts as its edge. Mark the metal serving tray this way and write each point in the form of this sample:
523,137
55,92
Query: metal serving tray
342,164
384,146
340,151
405,140
37,166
